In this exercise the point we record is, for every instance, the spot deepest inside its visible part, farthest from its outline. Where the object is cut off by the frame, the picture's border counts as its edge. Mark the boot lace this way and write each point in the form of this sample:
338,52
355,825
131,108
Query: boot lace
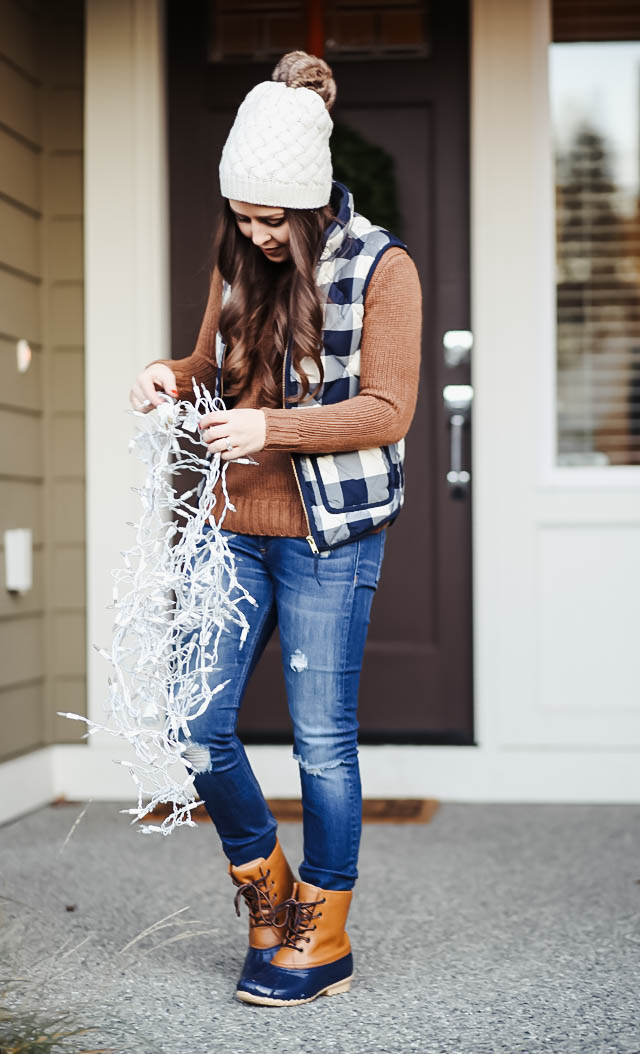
300,915
258,901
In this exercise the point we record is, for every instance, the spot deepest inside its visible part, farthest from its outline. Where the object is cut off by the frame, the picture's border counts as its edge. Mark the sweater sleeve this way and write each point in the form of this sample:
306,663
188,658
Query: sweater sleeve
383,409
201,364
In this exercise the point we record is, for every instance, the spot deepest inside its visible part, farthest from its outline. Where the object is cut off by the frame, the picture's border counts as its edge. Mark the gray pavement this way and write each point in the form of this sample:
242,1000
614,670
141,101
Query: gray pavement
510,928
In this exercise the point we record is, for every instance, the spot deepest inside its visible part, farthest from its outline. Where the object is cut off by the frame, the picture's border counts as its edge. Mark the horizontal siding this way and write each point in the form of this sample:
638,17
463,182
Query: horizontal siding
67,445
20,307
21,718
68,583
21,650
69,635
20,390
42,633
18,36
21,504
67,383
65,234
67,314
19,172
63,114
64,184
19,239
29,603
19,104
67,63
20,445
69,696
68,512
22,617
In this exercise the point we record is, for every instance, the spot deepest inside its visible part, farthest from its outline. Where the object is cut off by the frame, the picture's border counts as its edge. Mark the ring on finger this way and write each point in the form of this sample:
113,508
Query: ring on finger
229,443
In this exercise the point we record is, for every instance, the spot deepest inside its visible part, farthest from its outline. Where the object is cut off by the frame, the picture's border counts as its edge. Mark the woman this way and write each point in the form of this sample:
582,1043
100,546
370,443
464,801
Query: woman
312,333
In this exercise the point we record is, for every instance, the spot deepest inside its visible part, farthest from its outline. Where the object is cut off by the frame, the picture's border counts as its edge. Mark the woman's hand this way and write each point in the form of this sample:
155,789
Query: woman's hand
245,429
144,395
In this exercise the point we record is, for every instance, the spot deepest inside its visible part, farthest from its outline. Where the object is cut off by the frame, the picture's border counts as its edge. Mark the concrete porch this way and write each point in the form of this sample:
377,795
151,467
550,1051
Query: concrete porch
510,928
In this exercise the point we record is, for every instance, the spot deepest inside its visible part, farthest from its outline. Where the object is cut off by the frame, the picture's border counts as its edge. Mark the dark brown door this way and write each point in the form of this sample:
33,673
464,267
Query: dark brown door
417,676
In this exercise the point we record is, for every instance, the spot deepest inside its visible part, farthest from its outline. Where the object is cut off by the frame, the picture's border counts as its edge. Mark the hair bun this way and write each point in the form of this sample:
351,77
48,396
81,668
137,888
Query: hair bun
300,70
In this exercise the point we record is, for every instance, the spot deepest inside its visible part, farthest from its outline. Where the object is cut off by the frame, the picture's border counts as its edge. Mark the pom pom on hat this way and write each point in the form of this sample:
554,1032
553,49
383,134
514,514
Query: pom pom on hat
277,152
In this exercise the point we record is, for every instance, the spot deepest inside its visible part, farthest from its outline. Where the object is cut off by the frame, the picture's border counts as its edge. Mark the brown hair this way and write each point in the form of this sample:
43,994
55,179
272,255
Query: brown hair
269,301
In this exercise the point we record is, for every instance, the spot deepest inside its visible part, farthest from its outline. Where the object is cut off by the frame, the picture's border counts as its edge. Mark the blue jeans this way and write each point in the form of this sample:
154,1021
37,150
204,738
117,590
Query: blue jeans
321,605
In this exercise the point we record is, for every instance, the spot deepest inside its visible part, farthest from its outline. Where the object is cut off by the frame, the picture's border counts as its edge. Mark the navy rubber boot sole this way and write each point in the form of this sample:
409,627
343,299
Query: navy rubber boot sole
276,986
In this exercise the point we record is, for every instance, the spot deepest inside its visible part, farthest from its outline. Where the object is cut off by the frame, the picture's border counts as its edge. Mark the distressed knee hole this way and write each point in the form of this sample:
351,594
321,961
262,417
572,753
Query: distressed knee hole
197,757
298,661
318,769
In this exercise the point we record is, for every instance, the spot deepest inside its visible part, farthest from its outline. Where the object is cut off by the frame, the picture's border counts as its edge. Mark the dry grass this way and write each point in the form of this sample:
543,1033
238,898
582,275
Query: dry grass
25,1031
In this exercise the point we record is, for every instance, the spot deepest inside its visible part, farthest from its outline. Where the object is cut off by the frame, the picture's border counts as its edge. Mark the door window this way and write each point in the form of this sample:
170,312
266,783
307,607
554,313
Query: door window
595,106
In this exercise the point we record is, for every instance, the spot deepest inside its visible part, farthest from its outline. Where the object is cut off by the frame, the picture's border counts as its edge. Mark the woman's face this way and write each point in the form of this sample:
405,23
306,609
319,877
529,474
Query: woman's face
267,227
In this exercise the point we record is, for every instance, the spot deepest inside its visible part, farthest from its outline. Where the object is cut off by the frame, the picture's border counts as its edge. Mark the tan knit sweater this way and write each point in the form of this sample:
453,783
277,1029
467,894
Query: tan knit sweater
266,497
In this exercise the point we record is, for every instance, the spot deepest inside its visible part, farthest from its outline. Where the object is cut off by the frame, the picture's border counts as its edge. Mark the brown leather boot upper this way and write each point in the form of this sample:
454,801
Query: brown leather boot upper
264,883
315,932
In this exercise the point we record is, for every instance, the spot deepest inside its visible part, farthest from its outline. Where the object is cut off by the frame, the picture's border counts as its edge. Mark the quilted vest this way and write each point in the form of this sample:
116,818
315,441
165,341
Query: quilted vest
347,494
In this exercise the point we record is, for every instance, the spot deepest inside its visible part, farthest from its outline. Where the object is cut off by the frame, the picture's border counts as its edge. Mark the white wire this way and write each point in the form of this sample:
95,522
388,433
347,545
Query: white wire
174,597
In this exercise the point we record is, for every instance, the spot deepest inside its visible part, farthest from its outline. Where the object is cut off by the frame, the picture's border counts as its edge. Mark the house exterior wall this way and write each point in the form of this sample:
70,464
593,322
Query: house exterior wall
42,664
547,548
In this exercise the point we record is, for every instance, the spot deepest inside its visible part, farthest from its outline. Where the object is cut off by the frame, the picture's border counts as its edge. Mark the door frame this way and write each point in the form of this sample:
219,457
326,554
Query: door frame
125,83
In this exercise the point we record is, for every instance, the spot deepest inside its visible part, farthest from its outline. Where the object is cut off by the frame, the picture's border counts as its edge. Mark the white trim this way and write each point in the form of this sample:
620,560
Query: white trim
26,783
463,774
446,773
524,695
127,279
574,477
552,476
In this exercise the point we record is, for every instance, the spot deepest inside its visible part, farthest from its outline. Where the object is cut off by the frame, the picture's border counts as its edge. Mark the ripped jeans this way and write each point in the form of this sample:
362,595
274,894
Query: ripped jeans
321,605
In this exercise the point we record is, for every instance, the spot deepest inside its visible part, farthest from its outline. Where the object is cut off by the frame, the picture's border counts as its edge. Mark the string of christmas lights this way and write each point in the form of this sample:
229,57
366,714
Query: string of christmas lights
174,597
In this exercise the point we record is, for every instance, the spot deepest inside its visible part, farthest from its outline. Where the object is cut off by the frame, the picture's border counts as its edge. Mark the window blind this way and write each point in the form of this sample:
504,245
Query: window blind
595,92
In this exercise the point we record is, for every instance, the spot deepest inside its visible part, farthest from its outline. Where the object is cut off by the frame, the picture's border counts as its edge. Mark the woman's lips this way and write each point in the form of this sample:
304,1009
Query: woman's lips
274,250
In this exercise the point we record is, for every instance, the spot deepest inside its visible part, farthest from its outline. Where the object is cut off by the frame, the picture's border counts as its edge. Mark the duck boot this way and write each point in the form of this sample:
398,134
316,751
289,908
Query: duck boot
315,955
264,884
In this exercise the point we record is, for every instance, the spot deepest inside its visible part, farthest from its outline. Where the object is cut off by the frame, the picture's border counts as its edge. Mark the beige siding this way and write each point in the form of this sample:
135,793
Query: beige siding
42,634
19,170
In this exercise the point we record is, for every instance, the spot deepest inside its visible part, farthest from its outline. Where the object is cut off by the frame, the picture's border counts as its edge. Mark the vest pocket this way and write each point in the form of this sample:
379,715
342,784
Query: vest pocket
354,479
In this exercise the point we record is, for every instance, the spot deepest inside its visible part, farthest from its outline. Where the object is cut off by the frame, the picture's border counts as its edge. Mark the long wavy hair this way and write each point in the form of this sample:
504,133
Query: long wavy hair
270,302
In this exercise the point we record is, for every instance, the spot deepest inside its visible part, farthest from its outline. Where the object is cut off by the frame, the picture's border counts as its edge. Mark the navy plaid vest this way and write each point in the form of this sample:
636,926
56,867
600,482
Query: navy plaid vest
346,494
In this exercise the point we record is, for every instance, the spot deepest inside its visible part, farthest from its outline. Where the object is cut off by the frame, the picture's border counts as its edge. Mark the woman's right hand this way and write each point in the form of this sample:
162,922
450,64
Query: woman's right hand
144,395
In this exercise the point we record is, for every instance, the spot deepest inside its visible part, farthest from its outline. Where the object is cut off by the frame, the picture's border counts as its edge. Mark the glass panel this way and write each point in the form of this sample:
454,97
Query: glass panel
261,30
595,93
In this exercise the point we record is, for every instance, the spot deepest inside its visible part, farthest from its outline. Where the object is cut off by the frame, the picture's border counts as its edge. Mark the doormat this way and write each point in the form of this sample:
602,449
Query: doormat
374,810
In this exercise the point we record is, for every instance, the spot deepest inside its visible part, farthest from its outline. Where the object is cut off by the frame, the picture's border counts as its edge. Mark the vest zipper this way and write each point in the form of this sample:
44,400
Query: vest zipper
310,539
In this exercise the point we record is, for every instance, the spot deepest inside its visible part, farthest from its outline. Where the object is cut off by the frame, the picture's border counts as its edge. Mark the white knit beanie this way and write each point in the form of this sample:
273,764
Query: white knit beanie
277,152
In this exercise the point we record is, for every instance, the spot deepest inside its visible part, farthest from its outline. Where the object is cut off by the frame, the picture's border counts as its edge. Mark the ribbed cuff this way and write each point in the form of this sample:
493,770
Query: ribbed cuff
282,429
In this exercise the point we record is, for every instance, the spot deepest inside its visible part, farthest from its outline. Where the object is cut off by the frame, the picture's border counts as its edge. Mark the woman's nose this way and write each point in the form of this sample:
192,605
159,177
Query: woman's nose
259,236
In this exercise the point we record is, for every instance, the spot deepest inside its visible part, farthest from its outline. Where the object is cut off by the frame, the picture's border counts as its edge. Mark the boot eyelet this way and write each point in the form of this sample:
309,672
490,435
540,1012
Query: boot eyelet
324,900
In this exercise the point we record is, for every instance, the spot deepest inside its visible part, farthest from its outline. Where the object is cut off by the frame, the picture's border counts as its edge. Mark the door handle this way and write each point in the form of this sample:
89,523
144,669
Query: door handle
457,399
457,344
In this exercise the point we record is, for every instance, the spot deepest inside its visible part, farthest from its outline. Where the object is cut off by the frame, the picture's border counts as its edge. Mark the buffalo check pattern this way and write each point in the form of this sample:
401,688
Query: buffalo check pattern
345,494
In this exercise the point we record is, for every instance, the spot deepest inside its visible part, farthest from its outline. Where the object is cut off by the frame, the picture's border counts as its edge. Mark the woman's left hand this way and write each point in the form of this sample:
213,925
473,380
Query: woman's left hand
246,429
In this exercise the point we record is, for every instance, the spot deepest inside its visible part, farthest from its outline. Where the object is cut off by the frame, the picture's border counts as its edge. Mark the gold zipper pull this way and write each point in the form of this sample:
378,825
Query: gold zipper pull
310,539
